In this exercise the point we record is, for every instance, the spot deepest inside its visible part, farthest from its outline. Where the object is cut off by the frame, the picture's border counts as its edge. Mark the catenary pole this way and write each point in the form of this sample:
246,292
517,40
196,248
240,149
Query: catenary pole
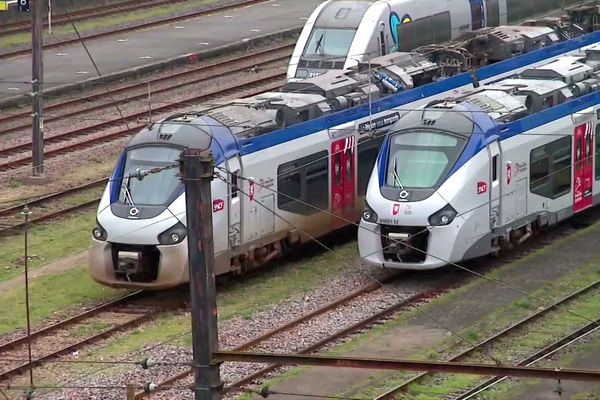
197,173
37,76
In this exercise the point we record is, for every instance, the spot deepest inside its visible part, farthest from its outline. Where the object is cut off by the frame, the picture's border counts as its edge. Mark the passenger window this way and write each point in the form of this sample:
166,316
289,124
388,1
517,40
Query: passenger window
305,180
550,173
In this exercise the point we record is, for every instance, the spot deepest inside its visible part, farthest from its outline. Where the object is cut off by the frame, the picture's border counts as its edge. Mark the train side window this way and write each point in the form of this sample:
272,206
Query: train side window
304,180
495,168
550,173
368,150
234,184
597,155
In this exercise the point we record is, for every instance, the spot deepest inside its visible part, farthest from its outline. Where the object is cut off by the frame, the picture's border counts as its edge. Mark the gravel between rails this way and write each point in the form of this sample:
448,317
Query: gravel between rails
238,330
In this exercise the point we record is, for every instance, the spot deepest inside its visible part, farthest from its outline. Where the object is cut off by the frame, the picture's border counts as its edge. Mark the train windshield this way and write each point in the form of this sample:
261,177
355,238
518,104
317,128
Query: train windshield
155,189
421,159
330,42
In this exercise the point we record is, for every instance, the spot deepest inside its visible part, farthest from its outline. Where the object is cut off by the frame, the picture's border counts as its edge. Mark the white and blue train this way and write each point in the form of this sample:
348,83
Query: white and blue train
341,33
308,148
474,173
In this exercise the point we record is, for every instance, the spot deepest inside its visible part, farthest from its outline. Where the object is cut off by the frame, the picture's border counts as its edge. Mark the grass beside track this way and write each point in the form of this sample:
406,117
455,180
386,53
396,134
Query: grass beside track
48,242
105,23
49,297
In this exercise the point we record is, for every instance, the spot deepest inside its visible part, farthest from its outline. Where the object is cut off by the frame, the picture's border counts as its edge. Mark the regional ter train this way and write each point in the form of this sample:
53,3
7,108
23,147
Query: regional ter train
341,33
474,173
309,148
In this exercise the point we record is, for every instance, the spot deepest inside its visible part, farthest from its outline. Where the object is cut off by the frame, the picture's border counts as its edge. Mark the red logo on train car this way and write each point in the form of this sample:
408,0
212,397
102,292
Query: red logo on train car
218,205
482,187
396,209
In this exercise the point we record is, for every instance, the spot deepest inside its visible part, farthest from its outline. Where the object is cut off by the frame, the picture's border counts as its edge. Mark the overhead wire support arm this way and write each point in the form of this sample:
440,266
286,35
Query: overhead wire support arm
409,365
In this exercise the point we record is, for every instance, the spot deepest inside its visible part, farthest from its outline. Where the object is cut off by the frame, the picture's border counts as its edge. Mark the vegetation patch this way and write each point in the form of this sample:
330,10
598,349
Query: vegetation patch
47,243
49,296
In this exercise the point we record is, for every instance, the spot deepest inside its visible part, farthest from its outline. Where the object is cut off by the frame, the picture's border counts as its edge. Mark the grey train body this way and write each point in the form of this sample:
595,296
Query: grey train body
341,33
475,173
306,153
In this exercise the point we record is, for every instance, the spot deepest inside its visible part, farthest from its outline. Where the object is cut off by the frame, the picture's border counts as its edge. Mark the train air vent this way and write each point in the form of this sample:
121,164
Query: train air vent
428,122
163,136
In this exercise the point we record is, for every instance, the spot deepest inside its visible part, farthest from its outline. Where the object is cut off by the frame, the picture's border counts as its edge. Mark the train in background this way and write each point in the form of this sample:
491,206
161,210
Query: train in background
308,148
341,33
471,174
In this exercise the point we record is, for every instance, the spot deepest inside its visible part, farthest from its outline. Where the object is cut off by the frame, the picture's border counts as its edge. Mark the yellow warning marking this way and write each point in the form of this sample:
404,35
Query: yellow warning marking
3,6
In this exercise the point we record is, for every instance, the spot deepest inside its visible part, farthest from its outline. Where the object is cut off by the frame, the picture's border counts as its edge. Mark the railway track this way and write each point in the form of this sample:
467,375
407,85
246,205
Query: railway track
282,330
139,90
125,7
11,219
78,331
512,329
131,93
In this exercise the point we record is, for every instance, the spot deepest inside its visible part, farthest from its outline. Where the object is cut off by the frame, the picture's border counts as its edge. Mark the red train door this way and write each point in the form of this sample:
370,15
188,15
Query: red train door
583,156
342,180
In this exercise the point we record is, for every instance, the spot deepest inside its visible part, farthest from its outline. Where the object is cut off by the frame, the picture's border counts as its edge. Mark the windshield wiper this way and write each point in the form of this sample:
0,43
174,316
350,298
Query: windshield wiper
396,176
127,192
320,45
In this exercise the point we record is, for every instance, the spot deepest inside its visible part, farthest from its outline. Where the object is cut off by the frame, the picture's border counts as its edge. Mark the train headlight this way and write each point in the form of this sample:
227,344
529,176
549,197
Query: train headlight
445,216
369,215
99,232
173,235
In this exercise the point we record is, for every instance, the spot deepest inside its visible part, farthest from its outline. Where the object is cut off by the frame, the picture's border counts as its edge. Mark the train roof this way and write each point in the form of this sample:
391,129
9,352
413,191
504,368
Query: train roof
250,125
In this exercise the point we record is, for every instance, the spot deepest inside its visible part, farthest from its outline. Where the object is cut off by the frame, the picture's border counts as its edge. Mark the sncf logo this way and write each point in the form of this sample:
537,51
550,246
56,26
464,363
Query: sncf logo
218,205
482,187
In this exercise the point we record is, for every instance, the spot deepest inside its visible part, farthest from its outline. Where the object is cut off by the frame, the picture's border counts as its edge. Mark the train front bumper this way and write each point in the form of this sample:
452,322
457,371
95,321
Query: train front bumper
119,266
415,248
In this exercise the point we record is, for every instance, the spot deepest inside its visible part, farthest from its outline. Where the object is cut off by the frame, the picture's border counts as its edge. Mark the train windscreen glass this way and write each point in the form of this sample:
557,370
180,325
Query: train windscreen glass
330,42
421,159
153,189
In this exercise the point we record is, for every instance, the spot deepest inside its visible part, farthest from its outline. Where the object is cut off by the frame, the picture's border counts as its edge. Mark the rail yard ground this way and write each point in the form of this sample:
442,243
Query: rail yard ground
475,310
473,307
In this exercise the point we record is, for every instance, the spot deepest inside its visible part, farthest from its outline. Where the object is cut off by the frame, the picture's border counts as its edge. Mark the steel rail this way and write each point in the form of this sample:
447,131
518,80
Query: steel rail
287,326
53,196
403,387
332,338
536,357
274,84
208,69
144,25
40,360
69,321
12,228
